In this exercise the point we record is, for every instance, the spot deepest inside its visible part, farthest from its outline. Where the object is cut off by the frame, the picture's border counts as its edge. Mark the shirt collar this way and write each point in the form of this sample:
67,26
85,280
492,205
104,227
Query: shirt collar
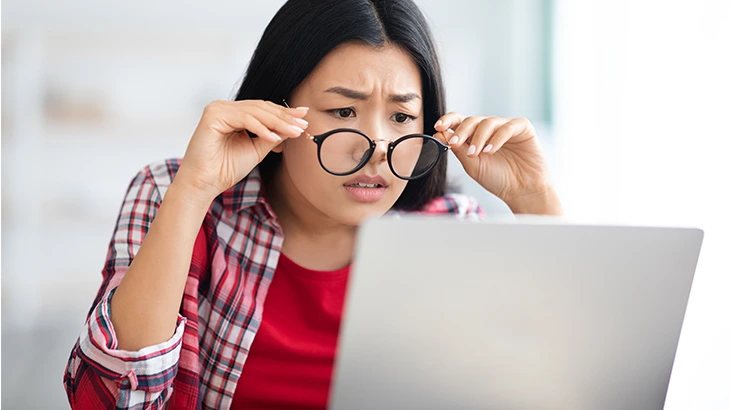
246,193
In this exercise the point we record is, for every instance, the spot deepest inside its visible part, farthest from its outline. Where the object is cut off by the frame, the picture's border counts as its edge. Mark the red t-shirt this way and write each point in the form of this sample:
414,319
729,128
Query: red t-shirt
291,359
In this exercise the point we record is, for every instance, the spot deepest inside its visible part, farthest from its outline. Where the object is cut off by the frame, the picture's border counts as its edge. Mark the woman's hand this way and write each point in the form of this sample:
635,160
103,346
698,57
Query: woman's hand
221,151
504,156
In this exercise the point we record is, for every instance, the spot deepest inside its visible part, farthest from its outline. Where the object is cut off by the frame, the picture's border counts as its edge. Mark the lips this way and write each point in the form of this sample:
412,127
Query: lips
364,185
366,189
364,181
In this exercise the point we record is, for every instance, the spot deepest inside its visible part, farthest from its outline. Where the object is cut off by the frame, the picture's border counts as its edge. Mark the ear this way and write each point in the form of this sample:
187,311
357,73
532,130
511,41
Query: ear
278,148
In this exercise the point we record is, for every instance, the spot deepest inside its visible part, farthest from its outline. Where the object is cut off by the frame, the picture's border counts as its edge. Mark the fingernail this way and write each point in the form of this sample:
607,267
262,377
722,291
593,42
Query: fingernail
472,149
297,129
276,137
450,130
301,122
454,140
439,122
302,108
488,148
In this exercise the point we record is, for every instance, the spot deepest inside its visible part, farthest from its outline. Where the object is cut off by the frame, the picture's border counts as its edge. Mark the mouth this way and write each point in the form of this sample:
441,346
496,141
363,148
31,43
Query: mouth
366,189
364,185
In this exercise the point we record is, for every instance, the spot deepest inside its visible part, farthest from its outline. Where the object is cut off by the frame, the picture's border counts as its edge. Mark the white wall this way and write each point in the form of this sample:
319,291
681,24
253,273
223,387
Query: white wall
642,136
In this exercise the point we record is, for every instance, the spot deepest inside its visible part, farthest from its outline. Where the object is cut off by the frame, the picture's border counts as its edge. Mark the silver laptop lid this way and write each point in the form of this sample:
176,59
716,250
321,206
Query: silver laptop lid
443,314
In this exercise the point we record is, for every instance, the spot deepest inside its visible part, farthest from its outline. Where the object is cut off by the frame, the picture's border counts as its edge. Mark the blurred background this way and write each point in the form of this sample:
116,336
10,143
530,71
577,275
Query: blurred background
630,100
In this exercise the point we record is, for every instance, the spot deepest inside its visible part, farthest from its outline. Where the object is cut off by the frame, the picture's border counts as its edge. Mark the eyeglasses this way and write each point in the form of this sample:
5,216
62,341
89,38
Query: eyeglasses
344,151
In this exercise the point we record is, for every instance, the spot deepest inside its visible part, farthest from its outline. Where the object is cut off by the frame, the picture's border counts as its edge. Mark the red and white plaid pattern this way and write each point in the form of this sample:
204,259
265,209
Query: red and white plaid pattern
234,259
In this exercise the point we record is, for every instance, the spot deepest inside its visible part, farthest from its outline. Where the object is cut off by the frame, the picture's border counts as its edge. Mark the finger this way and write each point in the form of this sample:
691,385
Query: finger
252,126
464,131
505,132
450,120
279,121
460,153
298,112
271,115
267,112
444,136
482,133
226,117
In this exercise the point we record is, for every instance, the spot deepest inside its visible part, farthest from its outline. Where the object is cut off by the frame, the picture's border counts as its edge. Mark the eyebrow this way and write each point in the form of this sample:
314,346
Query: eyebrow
357,95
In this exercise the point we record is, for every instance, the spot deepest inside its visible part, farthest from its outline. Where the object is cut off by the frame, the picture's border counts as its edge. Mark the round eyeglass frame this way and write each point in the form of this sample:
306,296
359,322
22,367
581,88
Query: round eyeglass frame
319,140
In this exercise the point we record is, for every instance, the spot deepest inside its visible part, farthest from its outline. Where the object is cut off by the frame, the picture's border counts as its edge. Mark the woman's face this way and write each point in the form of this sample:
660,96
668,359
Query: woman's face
374,90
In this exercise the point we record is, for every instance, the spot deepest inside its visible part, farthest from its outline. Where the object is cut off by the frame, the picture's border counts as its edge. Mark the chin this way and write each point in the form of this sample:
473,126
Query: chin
343,208
355,215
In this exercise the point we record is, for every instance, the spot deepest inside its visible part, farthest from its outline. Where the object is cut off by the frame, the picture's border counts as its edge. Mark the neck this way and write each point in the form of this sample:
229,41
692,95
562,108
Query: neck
311,238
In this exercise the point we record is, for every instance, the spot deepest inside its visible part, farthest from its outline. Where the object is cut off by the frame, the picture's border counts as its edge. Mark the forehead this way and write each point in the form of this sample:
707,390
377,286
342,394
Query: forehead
361,66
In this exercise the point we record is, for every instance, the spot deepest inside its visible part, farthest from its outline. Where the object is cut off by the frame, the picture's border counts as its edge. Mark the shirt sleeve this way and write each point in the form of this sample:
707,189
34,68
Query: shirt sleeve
98,374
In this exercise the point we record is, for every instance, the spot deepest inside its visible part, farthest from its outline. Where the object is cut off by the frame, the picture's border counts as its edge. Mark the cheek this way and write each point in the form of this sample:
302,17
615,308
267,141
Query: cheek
397,186
300,153
300,158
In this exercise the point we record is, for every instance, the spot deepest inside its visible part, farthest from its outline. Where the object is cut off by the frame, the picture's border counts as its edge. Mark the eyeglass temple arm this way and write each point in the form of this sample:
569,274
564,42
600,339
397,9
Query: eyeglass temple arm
308,135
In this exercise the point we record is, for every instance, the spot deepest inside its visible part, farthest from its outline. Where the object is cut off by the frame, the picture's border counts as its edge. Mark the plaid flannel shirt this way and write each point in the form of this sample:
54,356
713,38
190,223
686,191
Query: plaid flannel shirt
234,259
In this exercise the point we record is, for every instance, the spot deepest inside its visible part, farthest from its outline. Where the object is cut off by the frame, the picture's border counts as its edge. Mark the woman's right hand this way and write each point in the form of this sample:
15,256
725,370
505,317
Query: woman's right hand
221,152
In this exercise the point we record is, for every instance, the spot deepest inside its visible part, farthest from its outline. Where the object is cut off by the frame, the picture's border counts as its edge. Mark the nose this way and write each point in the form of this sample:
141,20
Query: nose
376,131
381,150
379,133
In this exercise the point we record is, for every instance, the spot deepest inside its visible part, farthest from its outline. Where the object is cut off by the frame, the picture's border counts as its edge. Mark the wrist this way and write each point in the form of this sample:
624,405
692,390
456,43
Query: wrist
543,202
191,187
187,193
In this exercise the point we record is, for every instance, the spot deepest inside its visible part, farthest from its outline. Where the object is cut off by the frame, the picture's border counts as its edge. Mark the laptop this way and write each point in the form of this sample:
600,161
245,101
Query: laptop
535,314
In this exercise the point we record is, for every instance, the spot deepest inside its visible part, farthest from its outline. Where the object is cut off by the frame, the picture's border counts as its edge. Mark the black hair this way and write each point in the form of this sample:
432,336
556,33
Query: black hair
303,32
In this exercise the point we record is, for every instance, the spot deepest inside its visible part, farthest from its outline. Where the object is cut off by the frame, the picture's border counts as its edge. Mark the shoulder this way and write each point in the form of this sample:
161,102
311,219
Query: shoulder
462,206
454,204
153,180
158,174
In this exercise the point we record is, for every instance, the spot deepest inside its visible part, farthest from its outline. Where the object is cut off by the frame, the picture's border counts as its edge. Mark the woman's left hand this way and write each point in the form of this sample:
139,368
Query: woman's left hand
505,157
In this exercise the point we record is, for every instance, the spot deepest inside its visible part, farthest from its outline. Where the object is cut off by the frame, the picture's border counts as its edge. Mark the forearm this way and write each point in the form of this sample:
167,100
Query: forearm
145,306
543,203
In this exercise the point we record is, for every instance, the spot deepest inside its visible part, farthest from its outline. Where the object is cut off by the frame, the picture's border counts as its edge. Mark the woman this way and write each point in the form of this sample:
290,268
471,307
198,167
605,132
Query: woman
261,213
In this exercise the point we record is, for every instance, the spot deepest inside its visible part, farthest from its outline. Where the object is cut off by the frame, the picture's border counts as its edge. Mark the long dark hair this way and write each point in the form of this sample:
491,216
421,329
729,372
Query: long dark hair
303,32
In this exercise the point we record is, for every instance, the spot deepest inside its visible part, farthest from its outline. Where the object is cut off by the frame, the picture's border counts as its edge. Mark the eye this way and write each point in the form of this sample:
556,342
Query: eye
342,112
402,118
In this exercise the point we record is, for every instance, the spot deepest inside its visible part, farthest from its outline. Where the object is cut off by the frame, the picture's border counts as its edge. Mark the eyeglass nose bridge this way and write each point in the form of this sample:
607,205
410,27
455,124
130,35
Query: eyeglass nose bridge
389,143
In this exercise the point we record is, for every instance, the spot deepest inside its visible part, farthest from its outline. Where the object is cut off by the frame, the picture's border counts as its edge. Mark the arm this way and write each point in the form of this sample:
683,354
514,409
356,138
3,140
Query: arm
127,354
146,303
101,372
218,156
